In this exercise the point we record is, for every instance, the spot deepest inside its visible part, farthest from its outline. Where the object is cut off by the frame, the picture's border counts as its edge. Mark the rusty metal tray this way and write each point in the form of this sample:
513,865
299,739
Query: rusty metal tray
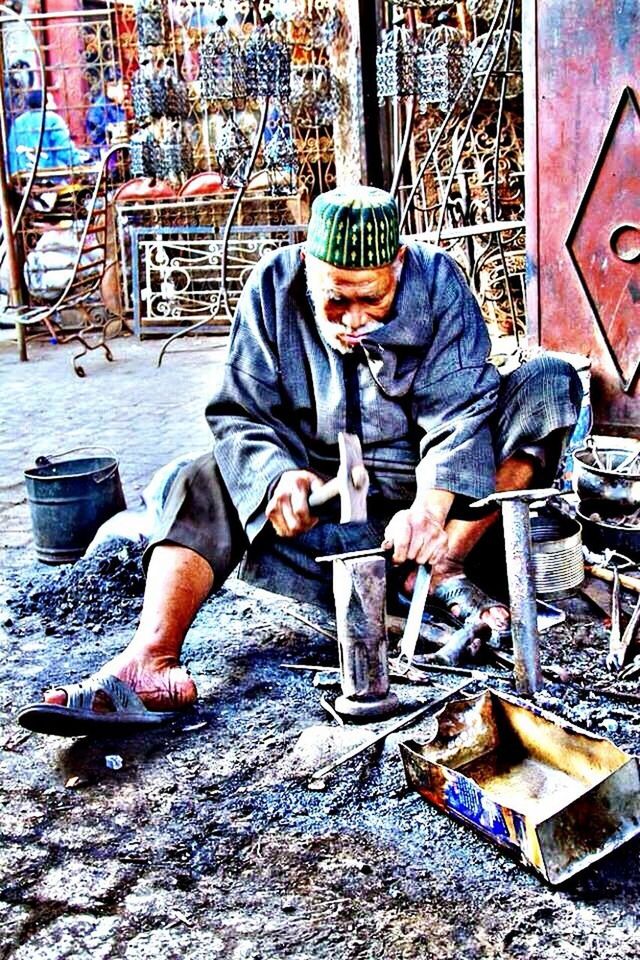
556,796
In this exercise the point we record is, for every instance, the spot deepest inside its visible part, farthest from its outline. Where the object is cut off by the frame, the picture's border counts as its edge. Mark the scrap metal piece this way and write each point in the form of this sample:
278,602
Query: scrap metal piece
328,706
414,619
353,554
391,728
469,638
615,632
618,650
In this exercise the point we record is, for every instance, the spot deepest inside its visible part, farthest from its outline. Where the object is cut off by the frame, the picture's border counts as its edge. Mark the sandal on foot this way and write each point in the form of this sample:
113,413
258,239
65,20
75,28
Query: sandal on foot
78,718
461,592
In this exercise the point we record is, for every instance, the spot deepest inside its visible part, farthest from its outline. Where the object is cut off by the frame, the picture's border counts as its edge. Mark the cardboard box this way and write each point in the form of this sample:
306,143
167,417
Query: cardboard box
556,796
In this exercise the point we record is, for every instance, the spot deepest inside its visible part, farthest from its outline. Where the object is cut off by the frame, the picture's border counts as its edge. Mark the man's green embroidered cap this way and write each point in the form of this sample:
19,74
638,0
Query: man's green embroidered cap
354,227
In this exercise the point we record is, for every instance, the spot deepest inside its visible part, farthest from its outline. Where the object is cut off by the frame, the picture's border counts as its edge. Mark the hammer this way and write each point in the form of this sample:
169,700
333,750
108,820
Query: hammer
351,483
520,576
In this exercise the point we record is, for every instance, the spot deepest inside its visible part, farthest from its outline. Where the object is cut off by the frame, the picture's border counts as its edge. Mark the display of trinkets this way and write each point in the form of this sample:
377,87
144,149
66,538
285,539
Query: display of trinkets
151,22
441,64
281,161
396,64
267,61
165,152
233,151
222,69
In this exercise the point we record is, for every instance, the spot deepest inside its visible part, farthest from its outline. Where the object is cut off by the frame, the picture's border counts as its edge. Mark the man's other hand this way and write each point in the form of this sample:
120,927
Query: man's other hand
416,534
288,508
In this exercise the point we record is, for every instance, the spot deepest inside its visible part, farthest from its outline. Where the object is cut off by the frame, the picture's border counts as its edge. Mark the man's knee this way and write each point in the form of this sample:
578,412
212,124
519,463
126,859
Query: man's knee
550,377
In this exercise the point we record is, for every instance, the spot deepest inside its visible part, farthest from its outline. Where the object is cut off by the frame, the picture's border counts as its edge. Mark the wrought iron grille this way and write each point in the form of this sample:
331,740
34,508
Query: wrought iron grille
177,273
456,142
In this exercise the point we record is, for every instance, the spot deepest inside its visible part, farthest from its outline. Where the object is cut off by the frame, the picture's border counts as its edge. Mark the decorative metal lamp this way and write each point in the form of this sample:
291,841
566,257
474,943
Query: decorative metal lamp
233,151
481,62
315,93
440,67
267,62
281,162
150,22
396,65
222,75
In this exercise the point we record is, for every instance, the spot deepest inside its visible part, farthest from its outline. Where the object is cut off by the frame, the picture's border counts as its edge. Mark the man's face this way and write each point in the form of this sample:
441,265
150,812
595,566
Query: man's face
351,304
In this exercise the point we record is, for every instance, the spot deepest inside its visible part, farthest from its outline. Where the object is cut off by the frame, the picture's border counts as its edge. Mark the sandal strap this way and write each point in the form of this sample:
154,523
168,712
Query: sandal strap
462,592
81,696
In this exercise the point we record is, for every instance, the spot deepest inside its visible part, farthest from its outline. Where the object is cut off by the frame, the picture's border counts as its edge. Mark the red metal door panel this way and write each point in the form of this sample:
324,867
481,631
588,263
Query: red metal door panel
583,192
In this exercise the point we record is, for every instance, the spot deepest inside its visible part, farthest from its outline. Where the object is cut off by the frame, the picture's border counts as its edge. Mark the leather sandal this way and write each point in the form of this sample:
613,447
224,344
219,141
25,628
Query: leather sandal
78,717
459,591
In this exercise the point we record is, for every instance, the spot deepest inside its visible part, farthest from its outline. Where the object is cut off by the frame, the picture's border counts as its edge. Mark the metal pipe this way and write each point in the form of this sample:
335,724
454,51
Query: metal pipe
522,597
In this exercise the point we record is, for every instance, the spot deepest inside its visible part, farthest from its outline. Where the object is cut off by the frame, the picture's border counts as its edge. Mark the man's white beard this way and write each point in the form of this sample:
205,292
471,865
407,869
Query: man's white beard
330,331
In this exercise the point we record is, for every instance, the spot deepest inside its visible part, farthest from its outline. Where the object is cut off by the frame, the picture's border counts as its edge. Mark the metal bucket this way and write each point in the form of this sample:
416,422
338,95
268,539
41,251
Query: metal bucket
557,555
69,500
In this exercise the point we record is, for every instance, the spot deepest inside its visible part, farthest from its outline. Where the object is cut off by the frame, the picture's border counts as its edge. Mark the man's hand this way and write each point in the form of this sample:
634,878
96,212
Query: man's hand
416,534
288,508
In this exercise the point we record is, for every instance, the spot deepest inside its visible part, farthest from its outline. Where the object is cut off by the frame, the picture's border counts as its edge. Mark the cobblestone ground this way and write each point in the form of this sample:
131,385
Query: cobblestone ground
201,840
147,415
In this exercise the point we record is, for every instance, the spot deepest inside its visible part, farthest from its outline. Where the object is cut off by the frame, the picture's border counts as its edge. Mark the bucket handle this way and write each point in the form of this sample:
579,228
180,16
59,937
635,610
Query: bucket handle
46,460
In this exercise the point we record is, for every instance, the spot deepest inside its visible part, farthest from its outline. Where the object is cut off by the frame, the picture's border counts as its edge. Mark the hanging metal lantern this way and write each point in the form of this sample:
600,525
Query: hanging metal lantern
174,153
396,65
222,75
141,97
481,62
440,68
143,154
281,162
151,22
267,62
176,95
233,151
315,93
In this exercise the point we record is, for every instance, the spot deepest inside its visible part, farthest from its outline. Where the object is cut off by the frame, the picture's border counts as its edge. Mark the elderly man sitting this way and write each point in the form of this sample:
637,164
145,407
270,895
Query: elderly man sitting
354,330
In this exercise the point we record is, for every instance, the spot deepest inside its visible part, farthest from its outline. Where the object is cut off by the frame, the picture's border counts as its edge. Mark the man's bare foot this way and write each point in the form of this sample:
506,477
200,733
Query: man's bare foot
160,682
451,579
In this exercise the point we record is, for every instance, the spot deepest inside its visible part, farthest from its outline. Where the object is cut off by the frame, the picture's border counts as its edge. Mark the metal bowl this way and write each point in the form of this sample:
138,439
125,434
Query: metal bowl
600,534
591,480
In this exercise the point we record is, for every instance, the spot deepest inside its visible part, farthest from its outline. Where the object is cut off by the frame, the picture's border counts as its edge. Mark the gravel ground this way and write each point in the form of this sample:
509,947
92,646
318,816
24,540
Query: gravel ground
203,839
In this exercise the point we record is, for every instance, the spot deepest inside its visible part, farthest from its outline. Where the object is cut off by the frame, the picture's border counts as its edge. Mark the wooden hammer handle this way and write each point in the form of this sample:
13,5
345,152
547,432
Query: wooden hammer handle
326,492
603,573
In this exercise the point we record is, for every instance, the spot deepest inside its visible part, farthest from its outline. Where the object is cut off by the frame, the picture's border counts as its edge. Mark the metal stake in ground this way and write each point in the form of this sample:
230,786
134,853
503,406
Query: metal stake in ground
359,587
521,580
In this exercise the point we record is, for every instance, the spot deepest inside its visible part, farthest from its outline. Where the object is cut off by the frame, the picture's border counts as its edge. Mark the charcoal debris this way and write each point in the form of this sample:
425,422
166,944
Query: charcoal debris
106,587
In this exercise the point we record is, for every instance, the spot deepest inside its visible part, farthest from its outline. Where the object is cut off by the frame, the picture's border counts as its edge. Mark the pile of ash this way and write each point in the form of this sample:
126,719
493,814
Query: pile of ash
106,587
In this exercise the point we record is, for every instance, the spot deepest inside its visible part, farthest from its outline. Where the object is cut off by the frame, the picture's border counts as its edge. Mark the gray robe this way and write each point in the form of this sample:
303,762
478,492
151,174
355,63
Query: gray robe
426,389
